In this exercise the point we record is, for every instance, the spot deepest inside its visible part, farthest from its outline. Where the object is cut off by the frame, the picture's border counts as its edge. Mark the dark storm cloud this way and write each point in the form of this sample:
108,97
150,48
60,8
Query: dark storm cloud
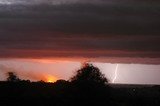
129,26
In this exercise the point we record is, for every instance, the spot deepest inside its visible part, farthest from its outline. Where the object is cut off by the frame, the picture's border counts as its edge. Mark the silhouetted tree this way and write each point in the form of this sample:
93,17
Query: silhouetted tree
89,73
61,82
89,85
12,77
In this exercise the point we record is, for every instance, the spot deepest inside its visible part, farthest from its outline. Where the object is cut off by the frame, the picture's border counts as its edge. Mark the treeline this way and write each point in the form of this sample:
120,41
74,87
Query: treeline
87,87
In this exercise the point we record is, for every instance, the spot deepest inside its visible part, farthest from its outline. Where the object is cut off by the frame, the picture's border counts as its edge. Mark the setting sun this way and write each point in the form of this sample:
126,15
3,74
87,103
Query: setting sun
51,79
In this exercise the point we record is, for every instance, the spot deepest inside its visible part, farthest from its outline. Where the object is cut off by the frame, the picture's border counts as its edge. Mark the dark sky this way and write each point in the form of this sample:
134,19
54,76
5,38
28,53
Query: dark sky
124,30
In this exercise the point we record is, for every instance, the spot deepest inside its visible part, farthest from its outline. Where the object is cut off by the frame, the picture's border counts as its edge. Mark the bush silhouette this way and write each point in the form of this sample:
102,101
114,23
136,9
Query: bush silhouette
12,77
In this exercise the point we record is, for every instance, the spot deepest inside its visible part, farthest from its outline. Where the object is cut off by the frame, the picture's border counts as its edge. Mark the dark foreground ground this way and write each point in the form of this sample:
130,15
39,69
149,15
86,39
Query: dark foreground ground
62,93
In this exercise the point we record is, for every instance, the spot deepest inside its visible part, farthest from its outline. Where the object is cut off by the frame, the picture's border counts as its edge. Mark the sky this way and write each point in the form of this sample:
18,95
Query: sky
101,31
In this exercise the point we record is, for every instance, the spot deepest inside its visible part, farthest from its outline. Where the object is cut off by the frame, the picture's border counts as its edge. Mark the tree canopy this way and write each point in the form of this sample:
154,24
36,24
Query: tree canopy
89,74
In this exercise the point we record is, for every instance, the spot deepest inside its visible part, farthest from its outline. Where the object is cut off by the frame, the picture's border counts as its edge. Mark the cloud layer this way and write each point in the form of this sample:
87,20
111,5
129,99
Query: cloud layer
58,28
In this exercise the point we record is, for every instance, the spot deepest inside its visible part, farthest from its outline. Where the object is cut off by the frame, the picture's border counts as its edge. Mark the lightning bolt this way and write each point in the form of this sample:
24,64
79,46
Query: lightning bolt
115,74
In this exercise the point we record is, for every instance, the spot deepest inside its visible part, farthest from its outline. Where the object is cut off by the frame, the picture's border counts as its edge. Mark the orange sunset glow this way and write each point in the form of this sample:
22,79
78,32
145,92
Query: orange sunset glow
50,79
80,52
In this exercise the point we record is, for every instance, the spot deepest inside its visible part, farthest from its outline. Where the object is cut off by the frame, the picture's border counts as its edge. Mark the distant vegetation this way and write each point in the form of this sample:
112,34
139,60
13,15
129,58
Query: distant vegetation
12,77
87,87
